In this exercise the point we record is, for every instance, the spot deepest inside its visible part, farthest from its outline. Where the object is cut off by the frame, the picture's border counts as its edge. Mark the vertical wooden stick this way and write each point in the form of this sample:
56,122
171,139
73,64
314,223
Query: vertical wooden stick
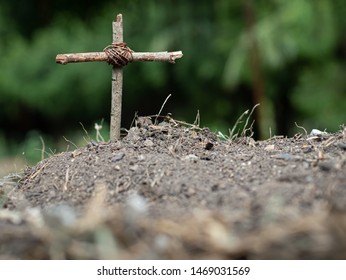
117,83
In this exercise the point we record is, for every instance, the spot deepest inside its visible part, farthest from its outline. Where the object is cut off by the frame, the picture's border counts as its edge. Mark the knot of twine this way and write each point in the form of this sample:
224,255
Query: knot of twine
118,54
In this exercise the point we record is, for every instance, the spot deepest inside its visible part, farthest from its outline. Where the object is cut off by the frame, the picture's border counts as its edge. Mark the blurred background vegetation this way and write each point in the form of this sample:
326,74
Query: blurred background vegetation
289,56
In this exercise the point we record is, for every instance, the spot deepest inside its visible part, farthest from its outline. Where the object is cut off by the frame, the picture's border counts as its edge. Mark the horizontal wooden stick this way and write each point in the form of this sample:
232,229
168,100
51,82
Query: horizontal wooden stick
102,56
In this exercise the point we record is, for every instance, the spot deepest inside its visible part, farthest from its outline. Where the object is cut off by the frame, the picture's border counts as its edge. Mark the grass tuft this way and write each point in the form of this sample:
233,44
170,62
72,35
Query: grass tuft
238,130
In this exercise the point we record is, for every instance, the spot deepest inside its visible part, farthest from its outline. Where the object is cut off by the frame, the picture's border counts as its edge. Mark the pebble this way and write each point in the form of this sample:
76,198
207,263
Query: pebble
269,148
136,208
134,167
118,156
148,143
326,165
317,132
342,146
190,157
61,214
11,216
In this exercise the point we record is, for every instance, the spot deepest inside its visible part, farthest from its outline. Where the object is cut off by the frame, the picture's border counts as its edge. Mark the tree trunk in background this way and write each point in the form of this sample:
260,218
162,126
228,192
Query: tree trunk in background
255,67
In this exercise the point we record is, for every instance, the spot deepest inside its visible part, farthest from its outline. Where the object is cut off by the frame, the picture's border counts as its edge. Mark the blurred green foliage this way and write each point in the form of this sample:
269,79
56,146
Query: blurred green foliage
300,45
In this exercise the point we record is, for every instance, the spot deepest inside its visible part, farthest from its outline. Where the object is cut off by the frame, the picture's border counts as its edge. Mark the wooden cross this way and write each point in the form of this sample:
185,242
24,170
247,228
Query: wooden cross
118,54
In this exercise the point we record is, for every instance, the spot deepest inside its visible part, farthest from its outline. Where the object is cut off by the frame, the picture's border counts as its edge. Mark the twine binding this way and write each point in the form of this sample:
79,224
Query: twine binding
119,55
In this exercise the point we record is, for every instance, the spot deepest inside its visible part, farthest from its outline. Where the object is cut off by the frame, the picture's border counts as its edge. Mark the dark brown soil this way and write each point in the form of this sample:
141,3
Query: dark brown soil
170,192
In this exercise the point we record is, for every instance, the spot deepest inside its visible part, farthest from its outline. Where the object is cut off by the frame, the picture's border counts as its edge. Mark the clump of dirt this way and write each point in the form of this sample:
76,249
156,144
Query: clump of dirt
173,191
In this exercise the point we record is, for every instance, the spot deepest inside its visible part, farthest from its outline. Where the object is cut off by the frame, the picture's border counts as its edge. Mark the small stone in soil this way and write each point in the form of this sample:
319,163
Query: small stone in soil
118,156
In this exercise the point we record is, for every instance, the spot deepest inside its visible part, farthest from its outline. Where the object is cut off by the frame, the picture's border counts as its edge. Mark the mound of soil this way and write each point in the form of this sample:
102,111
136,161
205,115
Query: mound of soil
167,191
